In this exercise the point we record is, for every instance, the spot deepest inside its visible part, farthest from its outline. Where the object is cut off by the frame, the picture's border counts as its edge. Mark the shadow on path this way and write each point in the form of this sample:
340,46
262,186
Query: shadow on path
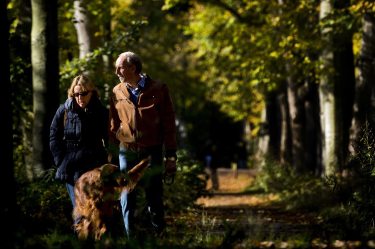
251,214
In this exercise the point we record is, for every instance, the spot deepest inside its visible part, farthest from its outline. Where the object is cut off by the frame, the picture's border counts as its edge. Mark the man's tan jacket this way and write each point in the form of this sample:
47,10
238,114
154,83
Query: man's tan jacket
149,123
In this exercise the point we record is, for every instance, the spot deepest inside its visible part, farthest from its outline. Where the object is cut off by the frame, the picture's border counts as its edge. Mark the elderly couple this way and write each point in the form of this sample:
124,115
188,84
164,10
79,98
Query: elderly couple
141,123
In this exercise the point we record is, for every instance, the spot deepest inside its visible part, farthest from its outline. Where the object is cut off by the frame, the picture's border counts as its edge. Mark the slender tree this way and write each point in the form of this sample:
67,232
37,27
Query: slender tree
82,25
327,96
365,84
8,213
45,73
344,79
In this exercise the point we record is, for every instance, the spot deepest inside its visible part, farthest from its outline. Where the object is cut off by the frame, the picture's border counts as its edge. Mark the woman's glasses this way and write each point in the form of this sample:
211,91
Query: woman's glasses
81,94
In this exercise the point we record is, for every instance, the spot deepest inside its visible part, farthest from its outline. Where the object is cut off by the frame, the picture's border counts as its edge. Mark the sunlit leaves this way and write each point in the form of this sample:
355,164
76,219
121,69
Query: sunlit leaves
168,4
362,6
221,41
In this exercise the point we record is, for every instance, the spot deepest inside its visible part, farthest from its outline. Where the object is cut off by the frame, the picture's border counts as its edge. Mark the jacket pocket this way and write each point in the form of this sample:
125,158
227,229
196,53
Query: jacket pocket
65,170
125,134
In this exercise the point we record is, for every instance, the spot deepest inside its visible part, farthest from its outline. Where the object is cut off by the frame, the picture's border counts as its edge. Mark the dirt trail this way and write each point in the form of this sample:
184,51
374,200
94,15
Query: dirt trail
231,192
251,213
244,219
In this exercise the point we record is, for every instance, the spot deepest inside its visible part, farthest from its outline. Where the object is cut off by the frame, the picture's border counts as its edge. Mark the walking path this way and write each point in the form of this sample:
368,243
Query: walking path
252,218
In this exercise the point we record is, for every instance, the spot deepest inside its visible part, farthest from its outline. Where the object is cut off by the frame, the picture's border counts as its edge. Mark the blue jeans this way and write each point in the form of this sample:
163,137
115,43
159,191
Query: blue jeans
151,183
70,188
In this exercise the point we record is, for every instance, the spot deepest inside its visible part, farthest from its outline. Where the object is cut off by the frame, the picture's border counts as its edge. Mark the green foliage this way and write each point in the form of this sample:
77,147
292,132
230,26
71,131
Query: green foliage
217,41
296,191
355,191
21,81
189,184
228,52
345,202
44,202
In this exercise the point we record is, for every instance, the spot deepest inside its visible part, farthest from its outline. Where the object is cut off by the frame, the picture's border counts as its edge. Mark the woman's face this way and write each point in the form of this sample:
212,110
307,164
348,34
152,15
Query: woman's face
81,96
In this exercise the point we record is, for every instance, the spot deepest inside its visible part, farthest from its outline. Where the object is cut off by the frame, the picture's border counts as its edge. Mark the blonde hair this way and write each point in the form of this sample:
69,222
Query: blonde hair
85,83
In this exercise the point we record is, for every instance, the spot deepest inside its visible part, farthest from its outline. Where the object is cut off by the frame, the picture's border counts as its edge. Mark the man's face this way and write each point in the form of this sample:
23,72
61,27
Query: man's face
123,71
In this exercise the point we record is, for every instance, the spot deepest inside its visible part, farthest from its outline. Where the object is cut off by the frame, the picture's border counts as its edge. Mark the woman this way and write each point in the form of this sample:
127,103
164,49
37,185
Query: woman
79,133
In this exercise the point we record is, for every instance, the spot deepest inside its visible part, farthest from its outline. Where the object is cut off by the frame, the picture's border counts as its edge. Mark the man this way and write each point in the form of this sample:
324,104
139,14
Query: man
142,120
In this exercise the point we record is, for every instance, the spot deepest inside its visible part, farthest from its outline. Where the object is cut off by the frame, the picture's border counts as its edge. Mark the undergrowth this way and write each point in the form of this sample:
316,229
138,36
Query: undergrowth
343,207
45,219
344,203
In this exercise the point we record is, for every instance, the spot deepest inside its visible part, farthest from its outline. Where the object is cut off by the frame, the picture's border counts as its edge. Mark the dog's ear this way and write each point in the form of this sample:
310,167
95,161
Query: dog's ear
107,171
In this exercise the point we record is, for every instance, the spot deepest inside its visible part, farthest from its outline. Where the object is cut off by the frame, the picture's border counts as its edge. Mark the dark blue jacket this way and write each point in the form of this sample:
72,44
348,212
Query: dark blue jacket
78,138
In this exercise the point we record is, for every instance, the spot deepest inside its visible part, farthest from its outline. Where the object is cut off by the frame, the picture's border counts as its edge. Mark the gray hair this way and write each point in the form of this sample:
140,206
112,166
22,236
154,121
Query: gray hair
132,58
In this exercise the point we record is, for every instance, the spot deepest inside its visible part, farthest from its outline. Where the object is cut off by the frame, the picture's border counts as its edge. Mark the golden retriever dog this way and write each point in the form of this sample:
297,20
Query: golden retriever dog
96,194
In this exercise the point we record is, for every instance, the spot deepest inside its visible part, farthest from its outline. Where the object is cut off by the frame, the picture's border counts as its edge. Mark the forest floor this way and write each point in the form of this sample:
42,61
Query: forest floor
250,218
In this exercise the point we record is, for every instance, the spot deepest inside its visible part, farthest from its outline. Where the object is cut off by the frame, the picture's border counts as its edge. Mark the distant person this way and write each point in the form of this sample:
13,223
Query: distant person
142,122
241,155
79,133
211,166
208,160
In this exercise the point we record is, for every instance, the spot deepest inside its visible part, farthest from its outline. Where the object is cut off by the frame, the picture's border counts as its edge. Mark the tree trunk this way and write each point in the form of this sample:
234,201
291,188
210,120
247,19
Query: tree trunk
327,98
82,25
44,60
313,153
344,84
297,117
365,83
285,137
273,128
262,150
8,213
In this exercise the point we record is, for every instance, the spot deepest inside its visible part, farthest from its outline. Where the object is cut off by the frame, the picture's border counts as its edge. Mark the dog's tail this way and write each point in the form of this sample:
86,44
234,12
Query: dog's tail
134,174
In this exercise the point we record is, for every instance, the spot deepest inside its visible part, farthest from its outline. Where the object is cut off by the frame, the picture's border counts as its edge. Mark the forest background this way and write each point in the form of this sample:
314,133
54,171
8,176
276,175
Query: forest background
292,82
